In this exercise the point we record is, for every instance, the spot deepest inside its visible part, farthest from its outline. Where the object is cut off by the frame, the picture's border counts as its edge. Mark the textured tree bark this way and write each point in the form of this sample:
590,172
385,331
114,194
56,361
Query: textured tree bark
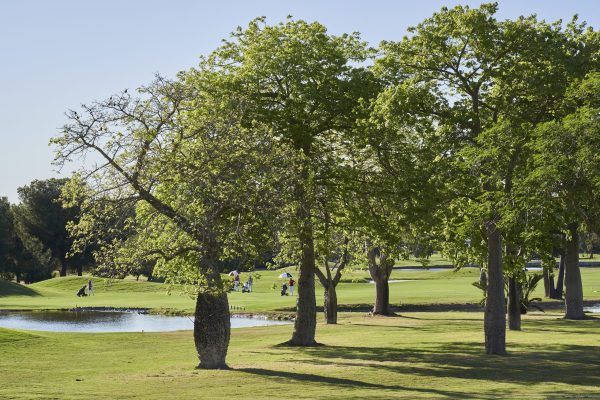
330,305
380,273
329,284
547,284
494,317
551,288
306,306
482,277
305,324
560,281
573,285
382,295
212,326
514,304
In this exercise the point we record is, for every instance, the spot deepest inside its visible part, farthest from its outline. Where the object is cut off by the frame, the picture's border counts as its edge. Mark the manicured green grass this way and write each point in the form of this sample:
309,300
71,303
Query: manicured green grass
416,355
443,287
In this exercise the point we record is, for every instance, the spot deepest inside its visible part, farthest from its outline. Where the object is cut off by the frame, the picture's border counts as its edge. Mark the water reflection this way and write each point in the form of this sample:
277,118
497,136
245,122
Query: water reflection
593,309
110,321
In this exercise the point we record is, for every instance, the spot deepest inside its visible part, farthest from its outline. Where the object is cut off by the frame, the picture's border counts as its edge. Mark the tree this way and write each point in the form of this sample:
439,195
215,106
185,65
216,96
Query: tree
303,85
7,240
566,173
488,83
41,218
393,180
331,276
200,183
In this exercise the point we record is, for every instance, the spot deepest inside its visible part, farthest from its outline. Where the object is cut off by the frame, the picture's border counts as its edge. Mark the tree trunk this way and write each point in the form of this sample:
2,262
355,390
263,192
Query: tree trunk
547,292
330,305
552,289
573,286
494,318
80,270
549,289
306,305
63,269
382,294
560,281
380,273
482,277
212,325
305,324
514,304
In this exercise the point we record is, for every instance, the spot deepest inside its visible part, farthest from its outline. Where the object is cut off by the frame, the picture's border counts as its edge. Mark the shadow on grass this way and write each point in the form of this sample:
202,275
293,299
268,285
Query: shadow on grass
525,365
343,382
367,307
15,289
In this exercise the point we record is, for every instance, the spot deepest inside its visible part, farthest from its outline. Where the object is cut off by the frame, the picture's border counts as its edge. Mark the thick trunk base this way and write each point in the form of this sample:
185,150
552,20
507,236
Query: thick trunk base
494,316
382,296
514,304
305,324
560,280
330,306
573,285
212,330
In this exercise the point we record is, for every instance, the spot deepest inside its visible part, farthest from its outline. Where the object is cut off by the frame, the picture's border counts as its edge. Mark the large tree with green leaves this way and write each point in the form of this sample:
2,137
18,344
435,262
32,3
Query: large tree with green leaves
486,83
565,173
303,85
200,184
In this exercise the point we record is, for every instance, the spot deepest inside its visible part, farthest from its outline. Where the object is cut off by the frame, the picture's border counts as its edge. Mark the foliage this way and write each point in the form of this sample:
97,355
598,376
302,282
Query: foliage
185,180
41,222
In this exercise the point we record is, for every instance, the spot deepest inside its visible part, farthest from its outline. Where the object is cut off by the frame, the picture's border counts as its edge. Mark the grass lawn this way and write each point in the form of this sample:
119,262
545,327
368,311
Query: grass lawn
414,355
443,287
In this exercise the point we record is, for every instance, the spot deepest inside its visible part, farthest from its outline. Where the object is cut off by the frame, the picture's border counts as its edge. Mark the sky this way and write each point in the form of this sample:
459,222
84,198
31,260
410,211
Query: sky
56,55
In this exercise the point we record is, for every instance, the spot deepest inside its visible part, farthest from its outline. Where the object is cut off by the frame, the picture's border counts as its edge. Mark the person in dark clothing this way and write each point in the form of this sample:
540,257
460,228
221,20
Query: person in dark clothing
81,292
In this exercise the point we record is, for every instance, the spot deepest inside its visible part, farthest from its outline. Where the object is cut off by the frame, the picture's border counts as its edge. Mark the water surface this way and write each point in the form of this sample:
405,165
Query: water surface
432,269
593,309
110,321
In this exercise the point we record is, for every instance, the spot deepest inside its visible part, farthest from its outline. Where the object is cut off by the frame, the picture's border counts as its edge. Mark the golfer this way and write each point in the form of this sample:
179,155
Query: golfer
291,286
250,280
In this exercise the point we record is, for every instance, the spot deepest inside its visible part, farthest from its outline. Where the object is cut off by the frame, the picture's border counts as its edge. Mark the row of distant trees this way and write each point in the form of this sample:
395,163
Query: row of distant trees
34,240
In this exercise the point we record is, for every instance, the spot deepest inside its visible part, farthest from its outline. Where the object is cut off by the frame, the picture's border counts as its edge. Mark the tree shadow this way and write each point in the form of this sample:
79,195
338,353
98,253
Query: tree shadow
570,364
14,289
342,382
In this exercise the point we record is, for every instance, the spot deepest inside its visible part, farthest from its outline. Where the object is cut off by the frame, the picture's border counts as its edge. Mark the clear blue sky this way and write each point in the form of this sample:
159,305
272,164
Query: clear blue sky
57,54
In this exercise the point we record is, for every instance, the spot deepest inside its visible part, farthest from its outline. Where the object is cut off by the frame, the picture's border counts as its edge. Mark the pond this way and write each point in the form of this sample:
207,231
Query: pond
593,309
423,269
111,321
